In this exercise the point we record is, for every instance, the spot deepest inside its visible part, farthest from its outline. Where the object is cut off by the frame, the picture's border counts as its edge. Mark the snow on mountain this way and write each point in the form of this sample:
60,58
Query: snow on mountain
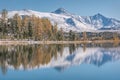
62,11
68,21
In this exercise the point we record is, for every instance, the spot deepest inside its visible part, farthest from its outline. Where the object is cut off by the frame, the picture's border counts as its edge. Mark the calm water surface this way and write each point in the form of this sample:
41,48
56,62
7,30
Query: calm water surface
60,62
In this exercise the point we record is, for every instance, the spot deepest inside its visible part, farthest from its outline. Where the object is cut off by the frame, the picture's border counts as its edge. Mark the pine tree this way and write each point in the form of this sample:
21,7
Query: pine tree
4,22
60,35
71,35
25,27
4,15
55,31
30,31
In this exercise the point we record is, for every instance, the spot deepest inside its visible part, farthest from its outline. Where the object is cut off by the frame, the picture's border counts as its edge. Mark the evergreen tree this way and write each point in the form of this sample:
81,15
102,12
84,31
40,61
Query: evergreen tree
30,31
72,35
4,22
60,35
25,21
4,15
54,32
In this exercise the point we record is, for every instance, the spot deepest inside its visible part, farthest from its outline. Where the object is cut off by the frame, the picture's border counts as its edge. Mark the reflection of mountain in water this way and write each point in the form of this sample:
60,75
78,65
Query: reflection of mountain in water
96,56
56,56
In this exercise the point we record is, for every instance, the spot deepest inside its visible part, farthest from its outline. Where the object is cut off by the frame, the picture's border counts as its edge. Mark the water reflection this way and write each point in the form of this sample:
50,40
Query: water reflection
59,57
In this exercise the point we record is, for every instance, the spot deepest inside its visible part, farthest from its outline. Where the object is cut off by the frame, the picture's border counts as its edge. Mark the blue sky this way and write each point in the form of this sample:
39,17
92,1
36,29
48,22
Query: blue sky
109,8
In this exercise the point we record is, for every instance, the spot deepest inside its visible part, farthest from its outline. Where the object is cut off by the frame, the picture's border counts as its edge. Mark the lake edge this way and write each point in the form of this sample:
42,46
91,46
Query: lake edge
20,42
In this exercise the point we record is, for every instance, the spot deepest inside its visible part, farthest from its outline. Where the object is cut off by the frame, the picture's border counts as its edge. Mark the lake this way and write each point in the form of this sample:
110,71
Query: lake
60,62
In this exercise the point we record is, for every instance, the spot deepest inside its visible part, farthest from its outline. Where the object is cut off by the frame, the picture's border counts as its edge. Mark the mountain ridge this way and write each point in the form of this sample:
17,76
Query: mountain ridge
68,21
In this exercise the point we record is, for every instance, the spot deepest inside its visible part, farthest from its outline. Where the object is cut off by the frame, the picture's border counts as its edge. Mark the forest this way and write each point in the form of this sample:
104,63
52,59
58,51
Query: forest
28,27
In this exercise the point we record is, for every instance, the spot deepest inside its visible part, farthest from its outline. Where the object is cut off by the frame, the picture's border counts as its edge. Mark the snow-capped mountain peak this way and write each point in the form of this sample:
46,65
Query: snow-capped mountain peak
61,11
99,15
68,21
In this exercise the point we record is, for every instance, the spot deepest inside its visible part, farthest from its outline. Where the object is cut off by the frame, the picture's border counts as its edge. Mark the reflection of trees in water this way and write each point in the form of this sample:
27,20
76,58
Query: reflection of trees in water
28,56
73,47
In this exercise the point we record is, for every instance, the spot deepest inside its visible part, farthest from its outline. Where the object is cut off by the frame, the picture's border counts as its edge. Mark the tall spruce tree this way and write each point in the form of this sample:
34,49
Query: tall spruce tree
4,22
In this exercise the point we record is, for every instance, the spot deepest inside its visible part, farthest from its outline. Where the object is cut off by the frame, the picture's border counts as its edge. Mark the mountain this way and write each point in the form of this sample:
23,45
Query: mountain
61,11
68,21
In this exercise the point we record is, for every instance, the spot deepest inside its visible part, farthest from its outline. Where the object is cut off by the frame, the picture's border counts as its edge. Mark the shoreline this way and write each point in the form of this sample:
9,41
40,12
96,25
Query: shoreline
23,42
